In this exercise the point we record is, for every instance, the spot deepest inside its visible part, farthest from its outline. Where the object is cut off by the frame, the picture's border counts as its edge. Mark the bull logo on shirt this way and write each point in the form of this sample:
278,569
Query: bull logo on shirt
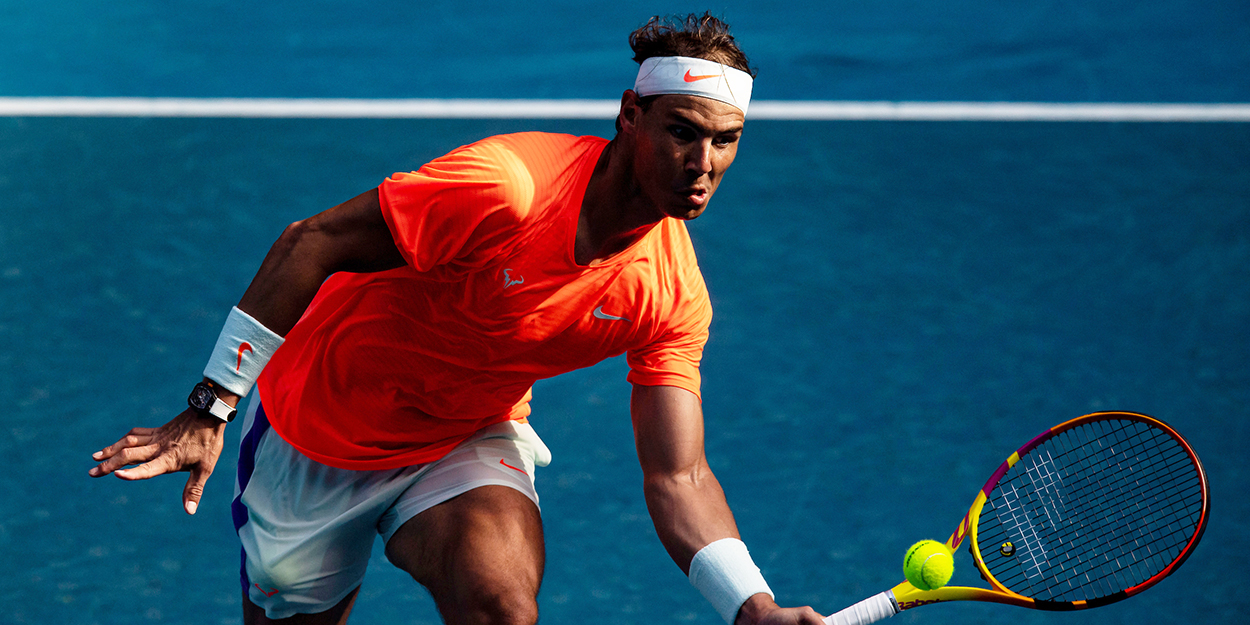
508,280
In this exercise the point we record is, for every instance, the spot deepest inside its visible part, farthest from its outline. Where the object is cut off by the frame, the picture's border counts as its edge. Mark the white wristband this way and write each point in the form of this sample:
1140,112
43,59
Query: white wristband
724,572
243,349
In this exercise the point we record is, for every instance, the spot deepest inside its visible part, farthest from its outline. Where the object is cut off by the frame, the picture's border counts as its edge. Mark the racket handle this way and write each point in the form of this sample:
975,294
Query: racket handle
870,610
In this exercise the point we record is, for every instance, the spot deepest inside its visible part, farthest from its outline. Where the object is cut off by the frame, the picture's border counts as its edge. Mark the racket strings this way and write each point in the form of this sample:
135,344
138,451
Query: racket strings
1119,524
1092,535
1113,576
1091,511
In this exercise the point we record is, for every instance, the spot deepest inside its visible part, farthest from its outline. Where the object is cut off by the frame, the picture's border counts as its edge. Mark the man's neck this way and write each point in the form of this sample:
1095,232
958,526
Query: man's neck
614,215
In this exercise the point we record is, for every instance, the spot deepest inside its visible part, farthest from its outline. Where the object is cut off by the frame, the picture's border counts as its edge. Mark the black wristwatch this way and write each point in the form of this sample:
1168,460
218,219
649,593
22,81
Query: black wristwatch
204,399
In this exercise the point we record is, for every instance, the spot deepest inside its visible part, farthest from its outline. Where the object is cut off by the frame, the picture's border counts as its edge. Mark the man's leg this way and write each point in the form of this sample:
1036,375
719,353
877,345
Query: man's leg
480,555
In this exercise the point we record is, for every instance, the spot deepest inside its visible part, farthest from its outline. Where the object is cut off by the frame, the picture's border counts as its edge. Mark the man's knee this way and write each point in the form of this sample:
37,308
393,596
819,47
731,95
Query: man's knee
483,606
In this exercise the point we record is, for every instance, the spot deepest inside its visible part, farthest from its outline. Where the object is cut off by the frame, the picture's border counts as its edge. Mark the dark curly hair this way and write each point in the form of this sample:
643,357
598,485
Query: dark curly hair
698,36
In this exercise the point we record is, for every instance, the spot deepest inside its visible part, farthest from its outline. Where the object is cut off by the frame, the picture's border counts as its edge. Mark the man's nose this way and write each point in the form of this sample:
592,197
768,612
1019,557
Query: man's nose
699,161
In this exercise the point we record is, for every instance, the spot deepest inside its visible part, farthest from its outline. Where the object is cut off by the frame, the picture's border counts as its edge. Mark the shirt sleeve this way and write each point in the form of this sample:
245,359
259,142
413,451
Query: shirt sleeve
673,357
456,208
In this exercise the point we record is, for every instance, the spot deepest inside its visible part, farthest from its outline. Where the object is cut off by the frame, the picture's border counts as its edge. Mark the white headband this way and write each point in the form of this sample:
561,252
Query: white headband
688,76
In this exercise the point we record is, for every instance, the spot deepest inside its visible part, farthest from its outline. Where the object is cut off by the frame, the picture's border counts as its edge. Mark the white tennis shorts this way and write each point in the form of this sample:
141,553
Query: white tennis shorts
308,529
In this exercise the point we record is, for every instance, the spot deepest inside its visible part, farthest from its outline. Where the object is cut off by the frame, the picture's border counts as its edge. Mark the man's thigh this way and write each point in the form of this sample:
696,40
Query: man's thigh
480,555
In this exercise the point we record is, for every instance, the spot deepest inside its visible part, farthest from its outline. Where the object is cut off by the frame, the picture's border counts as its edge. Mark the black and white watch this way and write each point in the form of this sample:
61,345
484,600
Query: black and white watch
204,399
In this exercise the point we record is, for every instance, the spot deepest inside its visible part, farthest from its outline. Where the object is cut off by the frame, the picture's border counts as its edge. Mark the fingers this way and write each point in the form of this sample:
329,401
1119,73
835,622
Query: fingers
159,463
811,617
137,437
135,450
194,489
792,616
178,445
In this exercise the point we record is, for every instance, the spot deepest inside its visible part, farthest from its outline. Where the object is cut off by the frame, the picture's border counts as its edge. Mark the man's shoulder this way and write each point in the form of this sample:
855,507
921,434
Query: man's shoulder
537,150
668,263
673,240
511,169
535,141
530,160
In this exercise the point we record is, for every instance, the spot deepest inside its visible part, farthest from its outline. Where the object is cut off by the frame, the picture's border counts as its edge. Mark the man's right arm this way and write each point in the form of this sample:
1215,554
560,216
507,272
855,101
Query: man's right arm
352,236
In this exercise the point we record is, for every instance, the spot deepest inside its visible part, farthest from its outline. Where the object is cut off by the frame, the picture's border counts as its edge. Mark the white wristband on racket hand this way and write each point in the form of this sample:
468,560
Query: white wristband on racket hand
243,349
724,572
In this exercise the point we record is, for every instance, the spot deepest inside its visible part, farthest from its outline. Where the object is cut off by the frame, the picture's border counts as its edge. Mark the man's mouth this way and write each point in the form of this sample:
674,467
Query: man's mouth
696,196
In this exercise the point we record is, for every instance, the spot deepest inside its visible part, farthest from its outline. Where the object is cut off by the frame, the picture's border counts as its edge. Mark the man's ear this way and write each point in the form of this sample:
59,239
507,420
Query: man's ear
627,119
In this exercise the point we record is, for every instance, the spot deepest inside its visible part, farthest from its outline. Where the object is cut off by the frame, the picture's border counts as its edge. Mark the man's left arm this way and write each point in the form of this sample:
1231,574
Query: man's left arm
686,502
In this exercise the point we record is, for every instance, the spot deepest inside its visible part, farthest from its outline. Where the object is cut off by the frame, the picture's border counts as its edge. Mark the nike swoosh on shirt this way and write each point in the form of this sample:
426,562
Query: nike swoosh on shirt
599,314
689,78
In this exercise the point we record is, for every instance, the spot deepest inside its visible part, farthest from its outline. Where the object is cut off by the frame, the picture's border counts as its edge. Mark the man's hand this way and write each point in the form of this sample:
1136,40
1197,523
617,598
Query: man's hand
352,236
760,609
190,442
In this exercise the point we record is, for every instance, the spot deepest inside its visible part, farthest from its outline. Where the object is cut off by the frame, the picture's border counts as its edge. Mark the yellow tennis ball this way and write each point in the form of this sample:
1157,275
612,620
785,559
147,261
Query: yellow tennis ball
928,565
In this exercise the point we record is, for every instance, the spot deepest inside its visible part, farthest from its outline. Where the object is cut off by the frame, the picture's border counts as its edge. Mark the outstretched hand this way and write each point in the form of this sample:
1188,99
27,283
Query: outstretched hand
190,442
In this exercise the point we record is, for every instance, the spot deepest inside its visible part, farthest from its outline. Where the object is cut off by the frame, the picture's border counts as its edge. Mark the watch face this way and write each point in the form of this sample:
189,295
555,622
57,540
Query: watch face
201,397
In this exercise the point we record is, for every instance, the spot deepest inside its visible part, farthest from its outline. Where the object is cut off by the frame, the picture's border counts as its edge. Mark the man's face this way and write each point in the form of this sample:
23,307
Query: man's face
684,145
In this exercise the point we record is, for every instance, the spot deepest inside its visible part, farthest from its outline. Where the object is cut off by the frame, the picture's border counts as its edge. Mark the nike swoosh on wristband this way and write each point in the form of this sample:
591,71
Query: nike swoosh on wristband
689,78
599,314
245,346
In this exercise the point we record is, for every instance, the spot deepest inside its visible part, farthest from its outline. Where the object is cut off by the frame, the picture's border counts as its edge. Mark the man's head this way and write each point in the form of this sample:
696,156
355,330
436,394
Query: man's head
682,120
693,36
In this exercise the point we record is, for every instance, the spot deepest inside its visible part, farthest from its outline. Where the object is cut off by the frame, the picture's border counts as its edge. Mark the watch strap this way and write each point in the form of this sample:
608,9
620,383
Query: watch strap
222,410
216,408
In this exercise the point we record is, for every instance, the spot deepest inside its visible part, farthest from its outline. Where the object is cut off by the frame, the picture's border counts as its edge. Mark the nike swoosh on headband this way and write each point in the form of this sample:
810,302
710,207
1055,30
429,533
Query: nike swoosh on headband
681,75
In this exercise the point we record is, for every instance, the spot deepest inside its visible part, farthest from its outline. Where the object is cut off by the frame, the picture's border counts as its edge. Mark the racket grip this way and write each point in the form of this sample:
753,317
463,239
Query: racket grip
875,608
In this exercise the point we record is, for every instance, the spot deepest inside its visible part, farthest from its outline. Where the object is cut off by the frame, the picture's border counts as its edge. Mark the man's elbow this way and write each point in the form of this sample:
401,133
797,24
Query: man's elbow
694,477
306,244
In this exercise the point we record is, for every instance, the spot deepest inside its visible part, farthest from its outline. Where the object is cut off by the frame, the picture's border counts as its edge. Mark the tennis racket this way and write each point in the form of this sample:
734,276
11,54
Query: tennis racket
1090,512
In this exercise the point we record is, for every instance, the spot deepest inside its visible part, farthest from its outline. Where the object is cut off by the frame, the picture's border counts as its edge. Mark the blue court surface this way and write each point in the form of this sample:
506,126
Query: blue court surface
899,305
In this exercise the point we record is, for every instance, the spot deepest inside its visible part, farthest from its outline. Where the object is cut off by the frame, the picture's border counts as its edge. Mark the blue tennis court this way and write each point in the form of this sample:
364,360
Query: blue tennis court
899,304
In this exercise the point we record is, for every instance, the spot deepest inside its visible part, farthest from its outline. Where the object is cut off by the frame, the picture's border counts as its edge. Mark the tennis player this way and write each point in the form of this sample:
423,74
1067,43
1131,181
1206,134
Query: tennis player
400,334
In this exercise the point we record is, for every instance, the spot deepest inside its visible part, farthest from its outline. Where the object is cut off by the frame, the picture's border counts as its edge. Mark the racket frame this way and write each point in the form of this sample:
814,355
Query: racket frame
907,596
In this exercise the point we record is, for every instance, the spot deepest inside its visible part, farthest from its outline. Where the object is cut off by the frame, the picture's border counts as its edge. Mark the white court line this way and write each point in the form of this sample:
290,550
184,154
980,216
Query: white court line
1002,111
606,109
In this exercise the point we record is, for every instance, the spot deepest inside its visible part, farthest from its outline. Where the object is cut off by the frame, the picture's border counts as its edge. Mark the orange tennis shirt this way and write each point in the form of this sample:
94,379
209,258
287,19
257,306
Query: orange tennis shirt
396,368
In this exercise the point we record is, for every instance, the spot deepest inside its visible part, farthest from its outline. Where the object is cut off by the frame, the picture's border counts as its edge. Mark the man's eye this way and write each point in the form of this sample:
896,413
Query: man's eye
682,133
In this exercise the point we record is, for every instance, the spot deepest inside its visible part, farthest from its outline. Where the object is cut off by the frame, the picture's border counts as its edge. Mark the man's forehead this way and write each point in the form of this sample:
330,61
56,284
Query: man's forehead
706,112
